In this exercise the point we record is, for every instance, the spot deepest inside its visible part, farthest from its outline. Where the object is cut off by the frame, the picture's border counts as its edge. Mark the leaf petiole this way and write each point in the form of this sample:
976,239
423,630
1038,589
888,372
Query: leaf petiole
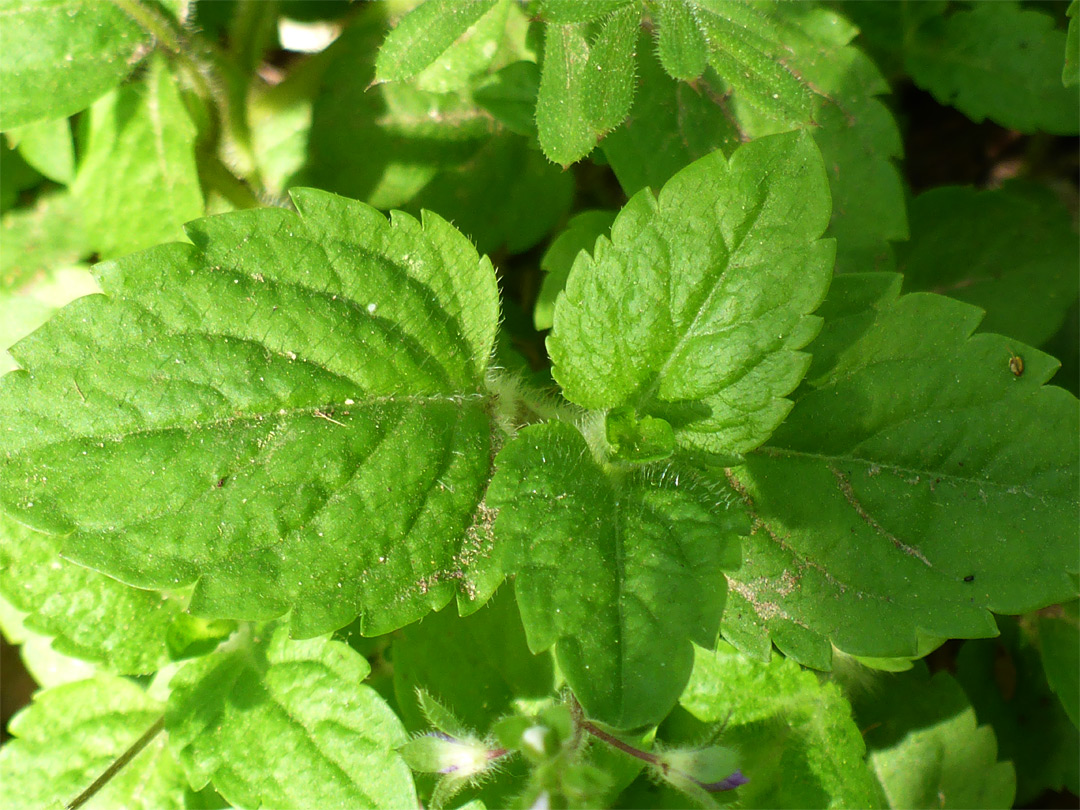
117,765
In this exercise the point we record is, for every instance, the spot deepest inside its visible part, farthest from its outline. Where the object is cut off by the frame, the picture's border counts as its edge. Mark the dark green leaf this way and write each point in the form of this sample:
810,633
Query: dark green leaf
1011,252
1070,73
1059,645
618,571
696,308
302,376
282,723
60,55
999,61
476,665
918,484
1004,679
441,151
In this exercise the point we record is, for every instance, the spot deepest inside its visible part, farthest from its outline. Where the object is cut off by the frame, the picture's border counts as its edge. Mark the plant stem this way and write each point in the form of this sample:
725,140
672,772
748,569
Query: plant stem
581,724
118,764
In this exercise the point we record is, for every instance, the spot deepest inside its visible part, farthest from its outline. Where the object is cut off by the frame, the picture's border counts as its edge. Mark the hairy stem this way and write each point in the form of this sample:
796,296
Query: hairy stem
582,724
115,768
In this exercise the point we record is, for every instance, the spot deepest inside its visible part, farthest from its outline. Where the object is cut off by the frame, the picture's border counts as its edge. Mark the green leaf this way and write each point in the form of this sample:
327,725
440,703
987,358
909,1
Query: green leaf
562,12
137,182
1005,681
1059,645
926,748
857,135
680,43
749,53
619,571
47,146
999,61
16,176
580,233
60,55
476,665
440,151
796,739
696,308
92,616
40,240
586,88
470,55
952,481
1011,252
671,125
70,734
304,376
37,270
282,723
425,34
510,96
1070,73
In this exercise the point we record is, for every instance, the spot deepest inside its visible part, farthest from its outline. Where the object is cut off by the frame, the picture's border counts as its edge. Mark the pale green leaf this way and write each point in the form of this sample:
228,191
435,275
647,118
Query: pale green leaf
282,723
680,43
47,666
1070,73
476,665
425,34
36,274
696,308
91,616
289,416
1011,252
47,146
926,748
40,240
70,734
137,182
1059,645
60,55
999,61
620,572
917,485
1004,679
797,742
580,233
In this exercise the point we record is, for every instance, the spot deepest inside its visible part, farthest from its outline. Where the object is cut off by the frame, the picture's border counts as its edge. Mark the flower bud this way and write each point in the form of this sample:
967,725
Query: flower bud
441,753
693,770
